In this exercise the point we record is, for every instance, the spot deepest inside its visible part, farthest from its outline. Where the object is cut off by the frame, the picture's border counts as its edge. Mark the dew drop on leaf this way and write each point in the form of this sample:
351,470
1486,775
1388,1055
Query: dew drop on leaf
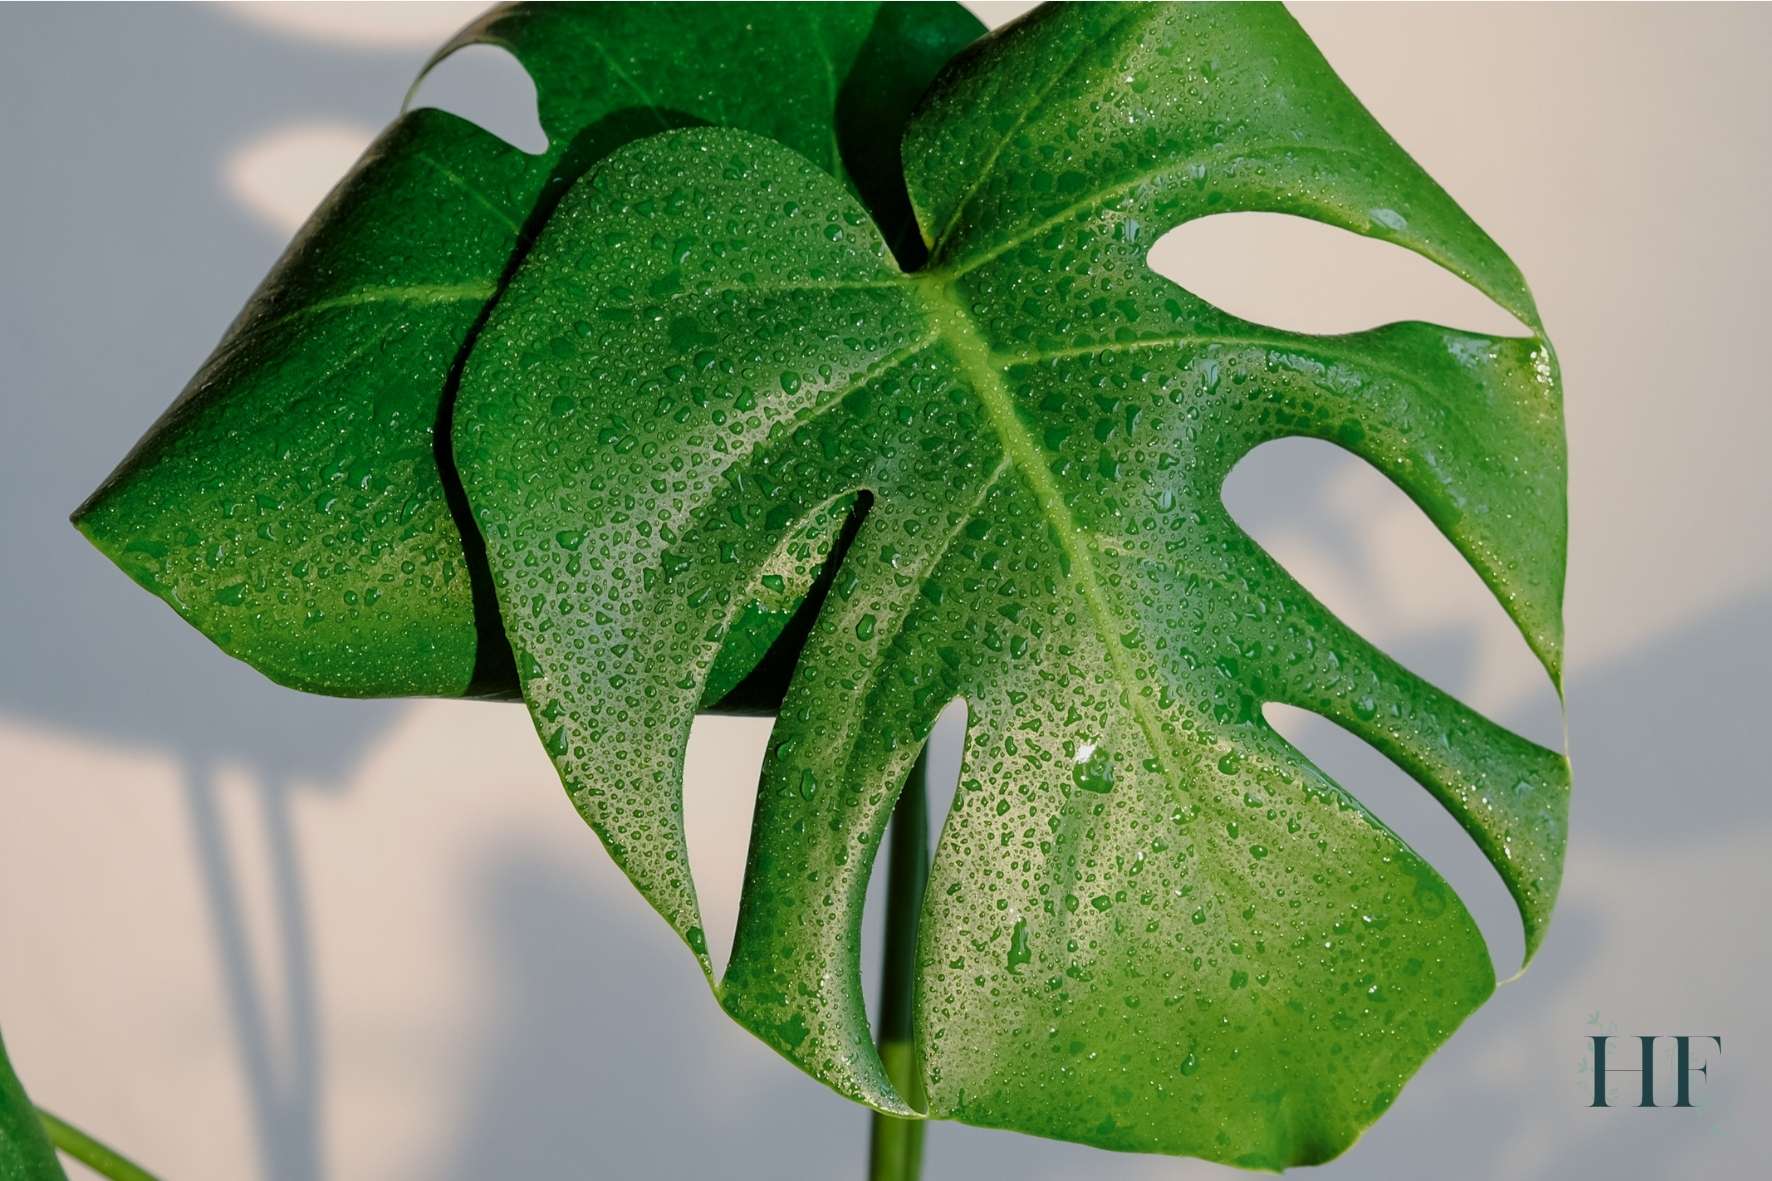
1019,952
1093,769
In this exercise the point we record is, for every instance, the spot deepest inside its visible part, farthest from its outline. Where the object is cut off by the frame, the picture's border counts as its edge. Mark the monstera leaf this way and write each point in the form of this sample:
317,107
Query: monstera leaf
297,503
1151,923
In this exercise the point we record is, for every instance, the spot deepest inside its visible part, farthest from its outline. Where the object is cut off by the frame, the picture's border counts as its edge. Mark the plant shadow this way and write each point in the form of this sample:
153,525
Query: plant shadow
125,298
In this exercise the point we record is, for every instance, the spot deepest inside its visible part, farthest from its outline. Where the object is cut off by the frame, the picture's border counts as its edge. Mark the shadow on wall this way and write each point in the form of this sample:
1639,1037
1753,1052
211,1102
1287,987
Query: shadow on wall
1659,736
1666,734
137,258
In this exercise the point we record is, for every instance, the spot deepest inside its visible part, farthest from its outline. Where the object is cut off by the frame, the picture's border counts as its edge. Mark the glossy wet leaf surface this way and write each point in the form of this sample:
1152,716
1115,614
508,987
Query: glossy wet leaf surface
1151,924
297,504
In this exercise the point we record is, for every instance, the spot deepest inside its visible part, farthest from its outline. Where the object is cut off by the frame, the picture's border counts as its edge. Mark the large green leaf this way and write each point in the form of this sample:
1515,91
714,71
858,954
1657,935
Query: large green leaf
25,1151
296,503
1151,923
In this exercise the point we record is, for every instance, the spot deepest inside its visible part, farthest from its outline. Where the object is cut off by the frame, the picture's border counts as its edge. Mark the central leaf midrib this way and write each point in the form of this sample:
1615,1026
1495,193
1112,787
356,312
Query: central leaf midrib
979,365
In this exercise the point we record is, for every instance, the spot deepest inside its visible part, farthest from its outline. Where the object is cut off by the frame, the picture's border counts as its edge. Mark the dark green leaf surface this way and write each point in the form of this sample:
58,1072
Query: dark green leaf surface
297,503
25,1151
1151,923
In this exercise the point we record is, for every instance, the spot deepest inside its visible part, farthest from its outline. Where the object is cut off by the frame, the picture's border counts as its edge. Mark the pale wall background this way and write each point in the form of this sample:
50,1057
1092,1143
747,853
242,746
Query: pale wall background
250,934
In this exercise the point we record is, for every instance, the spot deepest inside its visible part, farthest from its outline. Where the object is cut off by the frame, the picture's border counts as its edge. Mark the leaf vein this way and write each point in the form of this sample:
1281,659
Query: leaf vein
419,296
1102,196
628,80
973,355
1040,98
473,191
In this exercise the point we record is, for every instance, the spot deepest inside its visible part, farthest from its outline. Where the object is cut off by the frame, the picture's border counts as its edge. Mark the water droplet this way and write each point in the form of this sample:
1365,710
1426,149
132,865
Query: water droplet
1093,769
1019,952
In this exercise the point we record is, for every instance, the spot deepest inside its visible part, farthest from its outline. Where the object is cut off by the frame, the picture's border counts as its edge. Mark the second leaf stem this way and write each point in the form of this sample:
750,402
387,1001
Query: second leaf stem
895,1151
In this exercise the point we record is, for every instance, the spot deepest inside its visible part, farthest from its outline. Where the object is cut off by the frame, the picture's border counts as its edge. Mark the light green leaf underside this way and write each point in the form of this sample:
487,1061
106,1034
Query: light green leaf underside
295,504
1151,923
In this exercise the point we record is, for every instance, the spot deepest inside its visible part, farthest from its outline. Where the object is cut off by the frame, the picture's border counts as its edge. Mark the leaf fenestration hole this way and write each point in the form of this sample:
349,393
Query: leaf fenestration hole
1408,810
947,750
946,747
487,86
723,761
1369,554
1302,275
721,768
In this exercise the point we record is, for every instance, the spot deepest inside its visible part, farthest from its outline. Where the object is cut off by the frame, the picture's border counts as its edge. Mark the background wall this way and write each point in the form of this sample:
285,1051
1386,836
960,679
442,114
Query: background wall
250,934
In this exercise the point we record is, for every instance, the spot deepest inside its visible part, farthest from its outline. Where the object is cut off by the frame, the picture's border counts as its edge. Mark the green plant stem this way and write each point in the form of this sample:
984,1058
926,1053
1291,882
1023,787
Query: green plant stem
895,1152
105,1161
